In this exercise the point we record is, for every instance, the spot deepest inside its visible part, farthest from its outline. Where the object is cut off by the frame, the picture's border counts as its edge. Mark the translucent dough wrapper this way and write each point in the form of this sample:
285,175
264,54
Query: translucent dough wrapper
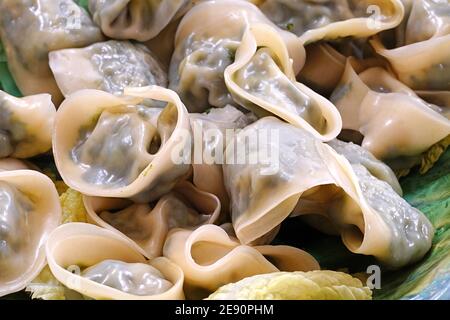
210,258
310,179
111,146
184,207
427,19
88,259
140,20
109,66
262,80
29,211
313,21
48,26
203,51
421,66
25,125
215,127
388,114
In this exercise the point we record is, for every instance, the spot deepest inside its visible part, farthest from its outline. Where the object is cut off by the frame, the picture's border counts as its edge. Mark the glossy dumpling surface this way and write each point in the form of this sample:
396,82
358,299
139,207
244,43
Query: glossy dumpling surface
109,66
135,278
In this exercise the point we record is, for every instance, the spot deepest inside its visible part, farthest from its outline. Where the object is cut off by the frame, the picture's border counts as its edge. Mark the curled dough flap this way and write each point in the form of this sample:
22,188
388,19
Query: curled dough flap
427,19
309,178
387,113
203,51
228,19
421,66
262,79
117,147
184,207
84,245
272,173
214,127
140,20
211,258
49,25
29,211
25,125
382,15
371,218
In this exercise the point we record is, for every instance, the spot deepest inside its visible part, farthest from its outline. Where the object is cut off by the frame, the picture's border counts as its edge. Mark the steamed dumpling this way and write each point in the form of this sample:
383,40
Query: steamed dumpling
305,177
25,125
140,20
204,50
146,224
109,66
427,19
262,79
48,26
135,278
315,20
301,16
388,114
102,264
29,211
119,146
215,127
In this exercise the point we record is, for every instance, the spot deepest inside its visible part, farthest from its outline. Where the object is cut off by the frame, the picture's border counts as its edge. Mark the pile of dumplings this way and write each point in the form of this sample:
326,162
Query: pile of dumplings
356,92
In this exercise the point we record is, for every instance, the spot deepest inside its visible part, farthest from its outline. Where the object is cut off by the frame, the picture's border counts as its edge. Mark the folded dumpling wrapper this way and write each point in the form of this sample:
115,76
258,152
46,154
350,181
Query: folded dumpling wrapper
308,178
115,146
314,20
426,19
48,26
388,114
147,227
26,125
203,50
210,258
262,80
139,20
211,131
103,265
421,66
110,66
29,211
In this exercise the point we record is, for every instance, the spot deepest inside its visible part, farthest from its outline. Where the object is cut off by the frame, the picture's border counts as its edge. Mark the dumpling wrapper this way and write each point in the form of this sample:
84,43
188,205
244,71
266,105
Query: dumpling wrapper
314,21
184,207
110,146
210,258
109,66
204,50
427,19
26,125
29,211
138,279
421,66
388,114
212,130
262,80
140,20
309,178
48,26
77,246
